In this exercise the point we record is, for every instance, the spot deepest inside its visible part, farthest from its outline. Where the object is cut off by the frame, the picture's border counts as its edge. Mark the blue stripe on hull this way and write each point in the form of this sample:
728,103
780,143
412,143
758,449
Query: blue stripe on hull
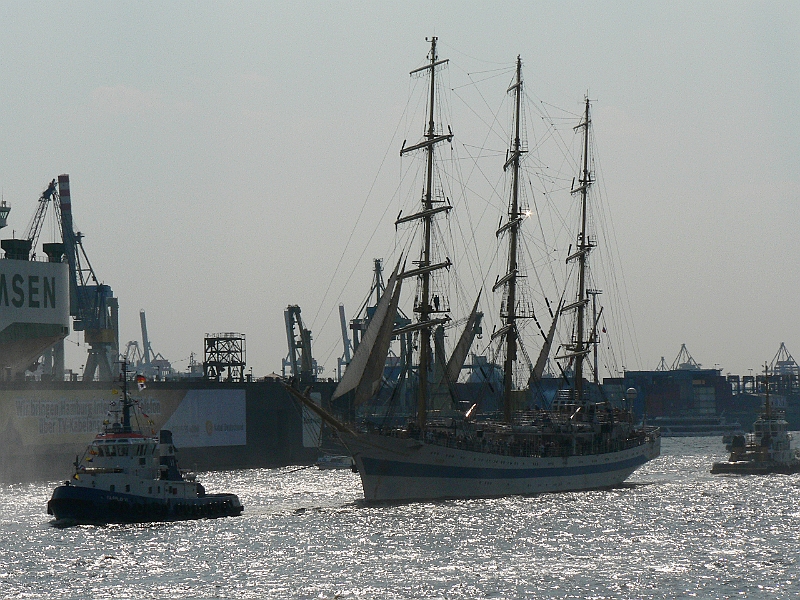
376,467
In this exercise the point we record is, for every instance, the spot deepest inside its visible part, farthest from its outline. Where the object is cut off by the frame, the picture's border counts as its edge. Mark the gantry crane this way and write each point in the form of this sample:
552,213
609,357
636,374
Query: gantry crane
92,304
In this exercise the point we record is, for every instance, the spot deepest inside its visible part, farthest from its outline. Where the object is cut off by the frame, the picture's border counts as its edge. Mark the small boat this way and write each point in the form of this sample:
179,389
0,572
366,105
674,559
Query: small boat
328,462
766,450
128,476
697,426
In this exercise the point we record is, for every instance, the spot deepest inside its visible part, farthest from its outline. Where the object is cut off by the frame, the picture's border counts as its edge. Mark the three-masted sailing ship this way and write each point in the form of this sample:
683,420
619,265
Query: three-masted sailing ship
579,443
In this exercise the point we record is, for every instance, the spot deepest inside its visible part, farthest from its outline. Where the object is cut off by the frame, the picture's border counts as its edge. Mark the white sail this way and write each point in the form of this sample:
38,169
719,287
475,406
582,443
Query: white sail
461,350
538,369
373,373
357,370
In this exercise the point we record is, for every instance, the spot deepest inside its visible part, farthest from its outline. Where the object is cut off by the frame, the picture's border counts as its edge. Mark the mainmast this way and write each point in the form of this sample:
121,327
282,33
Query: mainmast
509,328
424,268
581,347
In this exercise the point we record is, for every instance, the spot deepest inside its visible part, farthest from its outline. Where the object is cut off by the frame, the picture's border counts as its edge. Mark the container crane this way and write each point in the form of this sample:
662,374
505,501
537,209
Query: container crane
302,364
93,306
4,210
35,226
153,365
25,248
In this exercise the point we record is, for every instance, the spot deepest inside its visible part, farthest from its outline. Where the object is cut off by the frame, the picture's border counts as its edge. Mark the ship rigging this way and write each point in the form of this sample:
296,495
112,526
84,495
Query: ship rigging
448,453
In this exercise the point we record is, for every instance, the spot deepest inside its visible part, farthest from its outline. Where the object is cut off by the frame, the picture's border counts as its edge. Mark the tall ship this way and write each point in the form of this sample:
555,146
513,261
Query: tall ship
580,441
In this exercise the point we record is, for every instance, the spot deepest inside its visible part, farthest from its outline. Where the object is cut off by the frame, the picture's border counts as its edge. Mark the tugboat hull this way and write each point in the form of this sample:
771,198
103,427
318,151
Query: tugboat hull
80,505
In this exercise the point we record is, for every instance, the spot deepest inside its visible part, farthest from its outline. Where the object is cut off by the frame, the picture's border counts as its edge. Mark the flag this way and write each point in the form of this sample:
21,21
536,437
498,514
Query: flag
140,381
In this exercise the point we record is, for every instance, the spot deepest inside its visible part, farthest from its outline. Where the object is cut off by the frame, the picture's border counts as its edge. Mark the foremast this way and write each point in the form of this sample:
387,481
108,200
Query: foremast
423,307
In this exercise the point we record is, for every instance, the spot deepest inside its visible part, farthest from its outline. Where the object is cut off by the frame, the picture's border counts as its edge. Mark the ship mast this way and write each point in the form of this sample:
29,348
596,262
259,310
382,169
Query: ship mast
424,266
126,400
509,328
581,346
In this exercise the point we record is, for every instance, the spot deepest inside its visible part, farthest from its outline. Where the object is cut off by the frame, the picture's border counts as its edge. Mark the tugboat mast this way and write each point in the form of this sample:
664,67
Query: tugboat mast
126,401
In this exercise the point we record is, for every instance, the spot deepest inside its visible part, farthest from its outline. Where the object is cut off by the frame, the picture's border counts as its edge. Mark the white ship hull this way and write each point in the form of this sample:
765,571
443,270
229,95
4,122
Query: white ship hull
393,469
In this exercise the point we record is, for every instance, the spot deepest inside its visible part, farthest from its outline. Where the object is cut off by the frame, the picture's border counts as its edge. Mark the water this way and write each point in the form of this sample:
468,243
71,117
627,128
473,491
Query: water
676,531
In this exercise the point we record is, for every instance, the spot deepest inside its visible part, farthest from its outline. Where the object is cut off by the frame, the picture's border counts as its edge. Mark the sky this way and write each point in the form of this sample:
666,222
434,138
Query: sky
229,159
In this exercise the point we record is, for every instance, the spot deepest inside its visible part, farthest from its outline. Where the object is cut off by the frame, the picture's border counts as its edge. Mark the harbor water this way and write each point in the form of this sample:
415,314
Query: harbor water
675,531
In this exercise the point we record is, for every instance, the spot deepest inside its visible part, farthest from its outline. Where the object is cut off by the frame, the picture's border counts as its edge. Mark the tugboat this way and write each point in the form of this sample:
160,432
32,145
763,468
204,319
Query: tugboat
127,476
766,450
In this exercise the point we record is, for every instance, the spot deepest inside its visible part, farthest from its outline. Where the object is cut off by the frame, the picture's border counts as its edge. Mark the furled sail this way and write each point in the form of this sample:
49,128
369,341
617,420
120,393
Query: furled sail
365,370
538,369
461,350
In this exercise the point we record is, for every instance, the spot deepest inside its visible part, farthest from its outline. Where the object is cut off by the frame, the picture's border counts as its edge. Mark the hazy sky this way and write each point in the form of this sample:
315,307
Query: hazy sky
220,153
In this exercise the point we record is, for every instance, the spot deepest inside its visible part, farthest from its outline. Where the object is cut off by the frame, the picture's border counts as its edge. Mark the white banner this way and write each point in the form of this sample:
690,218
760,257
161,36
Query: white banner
209,418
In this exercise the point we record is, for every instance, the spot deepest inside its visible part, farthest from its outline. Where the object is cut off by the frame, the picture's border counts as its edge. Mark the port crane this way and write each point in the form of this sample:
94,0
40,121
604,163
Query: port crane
300,361
4,210
93,307
142,358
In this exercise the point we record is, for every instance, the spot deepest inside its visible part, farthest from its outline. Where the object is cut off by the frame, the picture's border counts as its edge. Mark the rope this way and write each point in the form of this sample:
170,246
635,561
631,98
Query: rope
296,470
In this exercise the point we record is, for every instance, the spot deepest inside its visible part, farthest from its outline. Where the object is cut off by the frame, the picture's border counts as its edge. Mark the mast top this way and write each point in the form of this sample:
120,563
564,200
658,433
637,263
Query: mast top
433,57
518,83
586,120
